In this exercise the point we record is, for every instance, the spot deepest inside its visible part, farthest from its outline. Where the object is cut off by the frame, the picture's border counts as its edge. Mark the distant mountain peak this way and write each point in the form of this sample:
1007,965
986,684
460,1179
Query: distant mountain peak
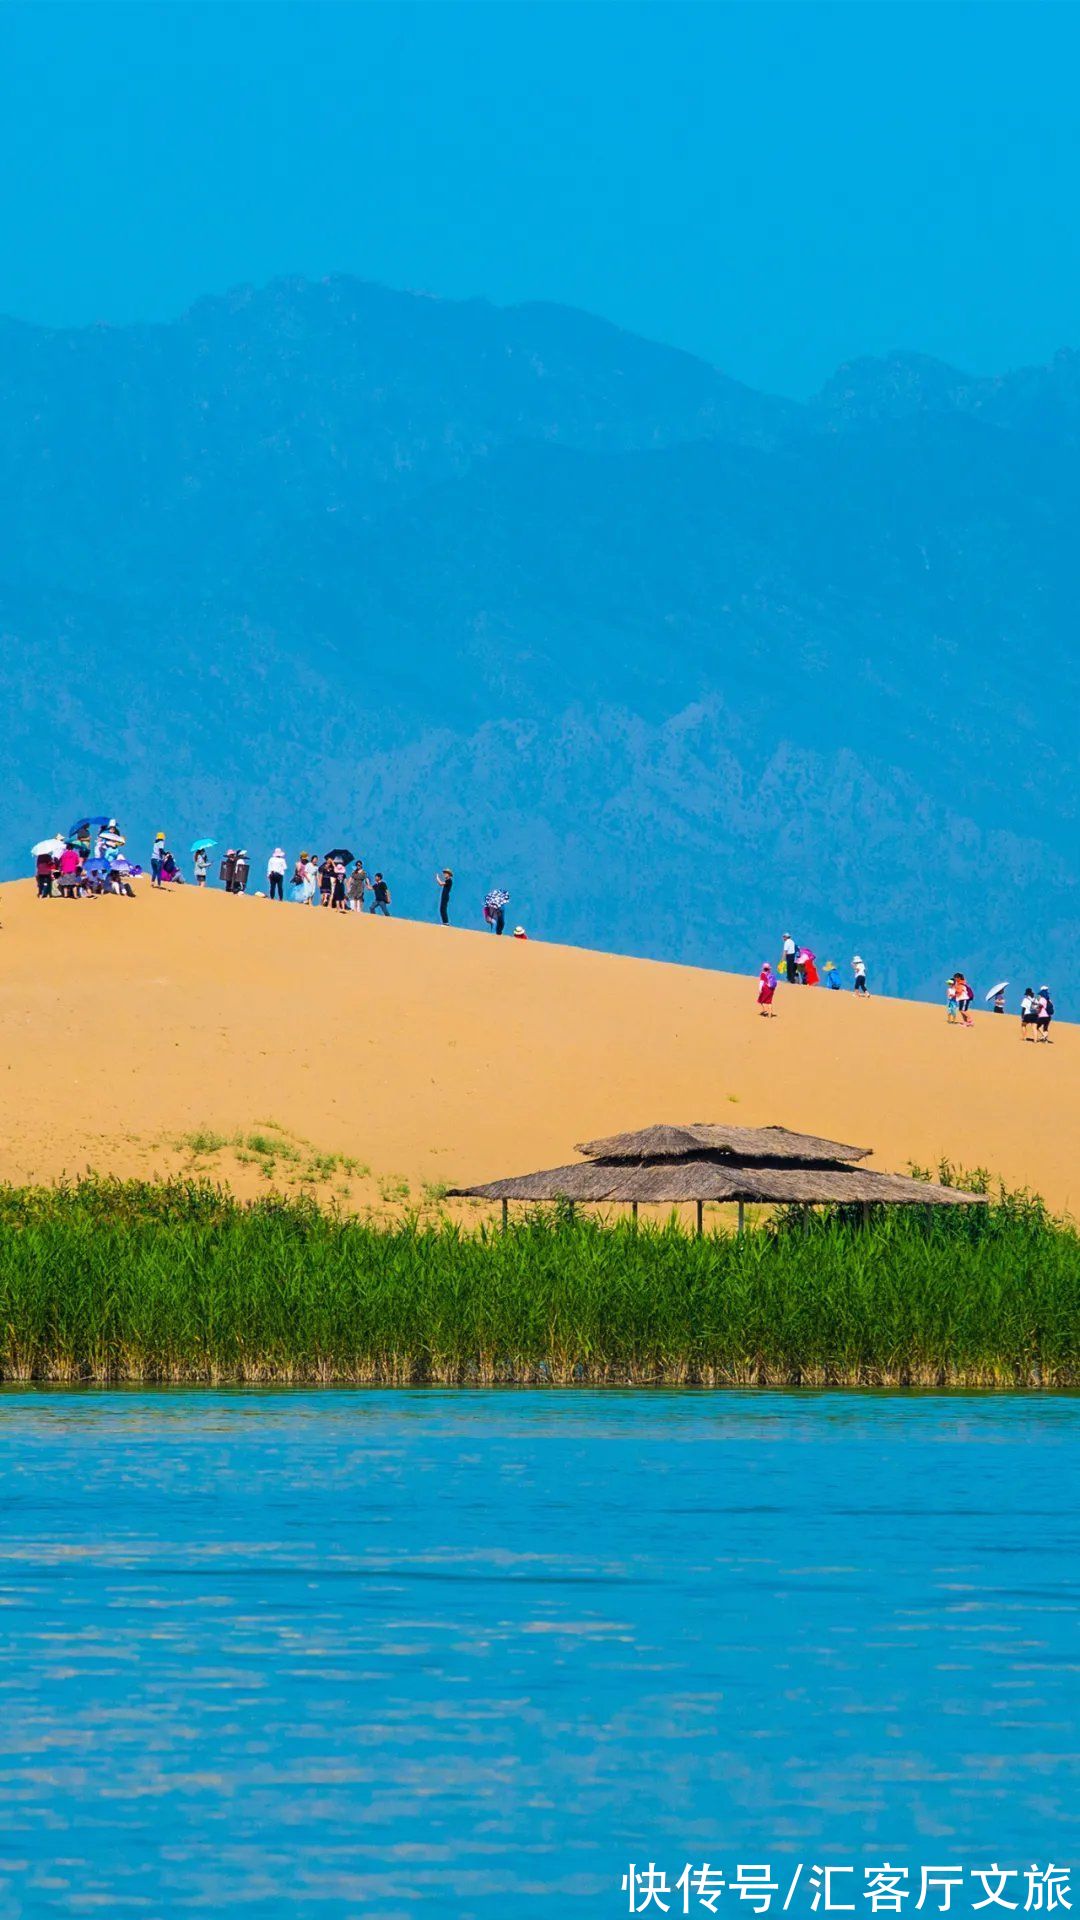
894,386
890,386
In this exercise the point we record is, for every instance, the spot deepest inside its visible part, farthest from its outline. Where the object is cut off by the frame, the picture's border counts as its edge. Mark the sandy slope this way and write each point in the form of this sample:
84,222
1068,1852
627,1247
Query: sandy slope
445,1056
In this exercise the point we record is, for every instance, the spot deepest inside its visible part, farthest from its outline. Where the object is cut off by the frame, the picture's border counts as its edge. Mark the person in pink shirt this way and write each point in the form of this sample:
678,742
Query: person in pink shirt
70,862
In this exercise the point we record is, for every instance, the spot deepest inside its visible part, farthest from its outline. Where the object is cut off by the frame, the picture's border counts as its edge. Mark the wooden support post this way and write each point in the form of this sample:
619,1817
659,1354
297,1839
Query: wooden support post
506,1214
700,1213
742,1217
633,1211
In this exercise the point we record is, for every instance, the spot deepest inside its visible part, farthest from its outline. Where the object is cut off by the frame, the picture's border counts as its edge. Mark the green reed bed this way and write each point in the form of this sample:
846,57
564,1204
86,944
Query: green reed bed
109,1281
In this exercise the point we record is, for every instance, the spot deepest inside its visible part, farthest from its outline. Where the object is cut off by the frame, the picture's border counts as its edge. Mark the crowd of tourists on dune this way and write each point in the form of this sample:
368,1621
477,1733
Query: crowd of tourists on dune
91,858
797,967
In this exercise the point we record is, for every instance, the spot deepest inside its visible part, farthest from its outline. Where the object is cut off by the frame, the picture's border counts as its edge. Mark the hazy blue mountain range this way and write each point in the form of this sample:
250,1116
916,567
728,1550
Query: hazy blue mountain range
678,663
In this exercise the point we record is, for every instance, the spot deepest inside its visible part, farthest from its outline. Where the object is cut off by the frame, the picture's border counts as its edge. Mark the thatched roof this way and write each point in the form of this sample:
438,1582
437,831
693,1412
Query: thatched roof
744,1143
769,1166
707,1178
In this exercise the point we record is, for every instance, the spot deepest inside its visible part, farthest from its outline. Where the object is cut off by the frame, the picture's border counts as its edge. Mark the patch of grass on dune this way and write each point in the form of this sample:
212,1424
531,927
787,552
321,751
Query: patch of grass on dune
178,1280
271,1148
203,1140
323,1166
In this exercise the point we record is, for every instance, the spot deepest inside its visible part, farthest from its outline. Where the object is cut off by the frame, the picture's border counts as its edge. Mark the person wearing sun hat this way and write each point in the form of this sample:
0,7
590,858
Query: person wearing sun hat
275,874
157,855
520,933
858,968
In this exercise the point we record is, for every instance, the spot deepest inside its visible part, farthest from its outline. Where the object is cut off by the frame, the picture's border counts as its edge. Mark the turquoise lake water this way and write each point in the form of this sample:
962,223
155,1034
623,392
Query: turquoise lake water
471,1653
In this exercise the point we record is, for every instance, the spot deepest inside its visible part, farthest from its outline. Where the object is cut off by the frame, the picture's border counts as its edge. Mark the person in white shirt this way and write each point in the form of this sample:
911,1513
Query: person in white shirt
275,874
1028,1014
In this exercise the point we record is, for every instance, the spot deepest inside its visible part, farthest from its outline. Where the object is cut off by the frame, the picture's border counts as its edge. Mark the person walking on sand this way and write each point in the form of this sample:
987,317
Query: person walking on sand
380,896
157,854
791,965
326,882
765,992
951,999
227,870
44,868
241,871
1028,1014
965,994
339,898
357,887
202,866
858,968
444,880
275,874
1044,1013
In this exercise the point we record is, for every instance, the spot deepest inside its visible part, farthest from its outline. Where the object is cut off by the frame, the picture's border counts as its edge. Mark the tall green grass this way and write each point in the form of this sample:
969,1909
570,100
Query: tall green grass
180,1282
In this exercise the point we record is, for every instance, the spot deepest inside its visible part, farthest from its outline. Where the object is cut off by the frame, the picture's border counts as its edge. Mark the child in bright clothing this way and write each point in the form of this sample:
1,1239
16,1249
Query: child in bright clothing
965,994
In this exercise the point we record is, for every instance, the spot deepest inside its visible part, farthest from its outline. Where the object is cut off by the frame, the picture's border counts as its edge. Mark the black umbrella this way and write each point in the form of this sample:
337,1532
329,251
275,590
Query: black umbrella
340,853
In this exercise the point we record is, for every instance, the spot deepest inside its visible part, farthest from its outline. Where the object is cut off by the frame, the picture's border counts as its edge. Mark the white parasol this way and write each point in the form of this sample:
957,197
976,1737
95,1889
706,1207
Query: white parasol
994,991
55,845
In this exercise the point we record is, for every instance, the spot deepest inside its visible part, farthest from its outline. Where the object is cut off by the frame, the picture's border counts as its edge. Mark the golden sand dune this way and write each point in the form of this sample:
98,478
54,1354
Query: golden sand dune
437,1056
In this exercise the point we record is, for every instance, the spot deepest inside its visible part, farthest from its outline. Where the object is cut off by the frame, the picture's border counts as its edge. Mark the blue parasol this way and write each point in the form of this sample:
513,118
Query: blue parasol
202,846
86,821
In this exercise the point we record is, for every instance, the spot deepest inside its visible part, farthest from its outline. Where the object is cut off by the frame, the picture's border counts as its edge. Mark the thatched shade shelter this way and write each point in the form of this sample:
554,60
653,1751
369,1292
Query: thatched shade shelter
767,1166
741,1144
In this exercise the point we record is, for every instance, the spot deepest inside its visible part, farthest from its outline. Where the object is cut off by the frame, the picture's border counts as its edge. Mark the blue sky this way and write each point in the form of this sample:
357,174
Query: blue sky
777,188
